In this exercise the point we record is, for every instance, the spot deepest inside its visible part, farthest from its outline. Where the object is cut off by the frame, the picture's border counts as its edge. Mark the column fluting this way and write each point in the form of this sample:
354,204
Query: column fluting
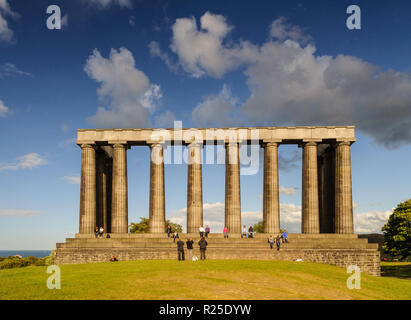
343,189
271,200
232,189
88,189
157,198
119,205
194,188
310,210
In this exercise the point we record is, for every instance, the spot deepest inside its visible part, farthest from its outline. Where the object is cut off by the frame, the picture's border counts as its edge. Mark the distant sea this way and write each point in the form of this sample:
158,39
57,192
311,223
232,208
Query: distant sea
25,253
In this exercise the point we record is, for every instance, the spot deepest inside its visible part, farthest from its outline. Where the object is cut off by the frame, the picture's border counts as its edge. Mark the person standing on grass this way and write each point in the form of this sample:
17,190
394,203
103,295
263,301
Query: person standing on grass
271,241
180,249
169,231
203,246
207,231
244,233
189,244
285,236
225,231
278,241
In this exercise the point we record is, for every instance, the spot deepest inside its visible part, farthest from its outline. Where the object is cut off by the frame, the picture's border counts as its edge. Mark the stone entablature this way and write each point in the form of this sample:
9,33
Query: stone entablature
285,135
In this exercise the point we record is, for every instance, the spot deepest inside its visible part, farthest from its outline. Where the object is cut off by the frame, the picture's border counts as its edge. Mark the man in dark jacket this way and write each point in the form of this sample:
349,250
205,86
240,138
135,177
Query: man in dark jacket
189,243
180,249
203,246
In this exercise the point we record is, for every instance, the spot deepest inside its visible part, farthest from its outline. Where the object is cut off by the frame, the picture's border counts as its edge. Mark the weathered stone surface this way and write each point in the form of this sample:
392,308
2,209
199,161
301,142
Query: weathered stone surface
194,188
232,189
335,249
157,198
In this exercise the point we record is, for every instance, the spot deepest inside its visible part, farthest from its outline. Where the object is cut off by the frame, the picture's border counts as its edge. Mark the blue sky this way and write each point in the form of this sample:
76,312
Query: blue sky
125,63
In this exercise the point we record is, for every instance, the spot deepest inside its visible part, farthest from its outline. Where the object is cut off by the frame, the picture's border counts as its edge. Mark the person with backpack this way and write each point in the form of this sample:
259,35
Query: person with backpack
203,246
189,244
180,250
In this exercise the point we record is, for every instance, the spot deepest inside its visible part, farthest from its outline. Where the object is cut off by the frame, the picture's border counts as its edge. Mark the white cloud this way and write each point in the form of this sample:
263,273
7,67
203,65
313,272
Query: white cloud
11,70
287,191
282,30
18,213
3,109
125,90
107,3
215,109
155,51
202,51
72,179
27,161
290,83
164,120
370,222
6,34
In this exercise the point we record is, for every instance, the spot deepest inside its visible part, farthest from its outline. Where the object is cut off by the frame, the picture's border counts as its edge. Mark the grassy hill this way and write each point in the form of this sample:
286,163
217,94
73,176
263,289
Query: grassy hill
212,279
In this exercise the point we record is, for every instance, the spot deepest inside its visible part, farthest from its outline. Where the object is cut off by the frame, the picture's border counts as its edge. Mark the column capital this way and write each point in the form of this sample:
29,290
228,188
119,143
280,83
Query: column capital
270,144
344,143
156,144
88,145
195,144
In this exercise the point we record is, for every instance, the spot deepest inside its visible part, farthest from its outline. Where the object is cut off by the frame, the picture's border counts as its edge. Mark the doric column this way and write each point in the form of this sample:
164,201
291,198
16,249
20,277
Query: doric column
271,200
343,189
232,189
101,189
109,188
310,212
119,205
194,188
88,189
157,199
326,188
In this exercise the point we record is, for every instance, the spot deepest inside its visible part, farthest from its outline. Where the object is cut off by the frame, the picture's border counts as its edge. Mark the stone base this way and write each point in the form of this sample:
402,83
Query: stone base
335,249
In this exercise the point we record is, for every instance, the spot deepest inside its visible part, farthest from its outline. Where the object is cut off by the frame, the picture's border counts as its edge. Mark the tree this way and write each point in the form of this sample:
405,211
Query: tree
258,227
397,231
143,226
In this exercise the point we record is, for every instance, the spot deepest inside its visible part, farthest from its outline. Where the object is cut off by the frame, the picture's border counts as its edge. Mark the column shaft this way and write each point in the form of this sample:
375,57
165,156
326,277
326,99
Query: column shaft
343,189
157,199
271,200
119,205
88,189
194,189
326,188
101,190
310,212
232,189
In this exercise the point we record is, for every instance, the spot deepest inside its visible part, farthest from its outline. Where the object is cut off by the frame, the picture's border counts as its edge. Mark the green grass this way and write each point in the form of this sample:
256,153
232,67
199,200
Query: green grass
396,269
212,279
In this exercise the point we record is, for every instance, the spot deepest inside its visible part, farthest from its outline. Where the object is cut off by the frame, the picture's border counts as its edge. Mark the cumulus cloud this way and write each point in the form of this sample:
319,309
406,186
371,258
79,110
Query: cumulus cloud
291,84
3,109
72,179
370,222
125,91
164,120
282,30
287,191
155,51
27,161
18,213
215,109
107,3
6,34
202,51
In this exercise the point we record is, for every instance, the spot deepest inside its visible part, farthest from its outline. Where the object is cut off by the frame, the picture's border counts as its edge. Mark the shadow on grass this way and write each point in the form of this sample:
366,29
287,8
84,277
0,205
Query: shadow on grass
398,271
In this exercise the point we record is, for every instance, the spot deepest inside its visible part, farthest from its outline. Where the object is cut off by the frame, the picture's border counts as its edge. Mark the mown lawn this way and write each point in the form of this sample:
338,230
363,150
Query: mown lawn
212,279
396,269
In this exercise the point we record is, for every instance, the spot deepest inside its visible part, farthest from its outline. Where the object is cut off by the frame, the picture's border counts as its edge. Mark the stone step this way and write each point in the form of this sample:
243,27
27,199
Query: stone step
219,235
